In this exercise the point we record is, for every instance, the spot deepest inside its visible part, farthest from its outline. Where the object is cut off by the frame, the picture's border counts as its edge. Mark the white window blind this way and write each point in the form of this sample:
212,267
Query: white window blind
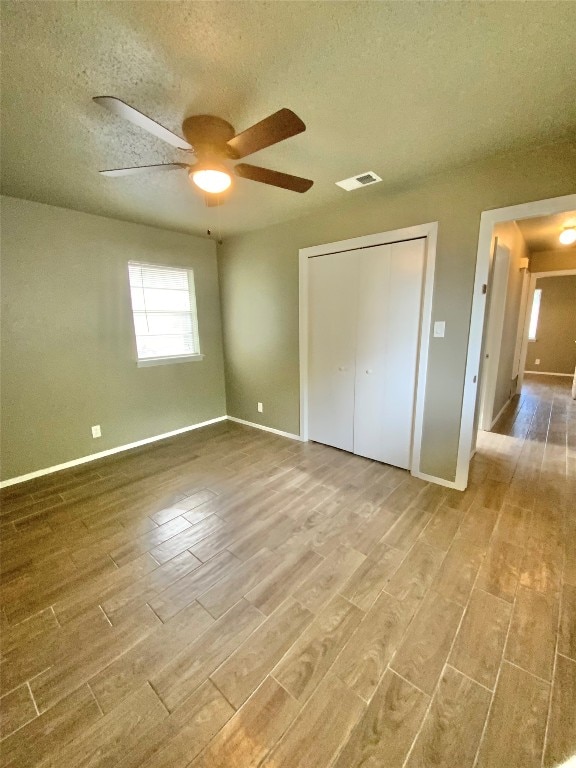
533,327
164,309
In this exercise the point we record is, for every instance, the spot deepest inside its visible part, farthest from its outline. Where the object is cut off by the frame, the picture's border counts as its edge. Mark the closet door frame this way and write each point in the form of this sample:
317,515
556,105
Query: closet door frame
428,231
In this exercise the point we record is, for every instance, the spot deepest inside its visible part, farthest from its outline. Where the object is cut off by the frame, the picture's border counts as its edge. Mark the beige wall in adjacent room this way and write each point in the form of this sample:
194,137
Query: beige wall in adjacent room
67,337
259,284
555,344
508,234
552,261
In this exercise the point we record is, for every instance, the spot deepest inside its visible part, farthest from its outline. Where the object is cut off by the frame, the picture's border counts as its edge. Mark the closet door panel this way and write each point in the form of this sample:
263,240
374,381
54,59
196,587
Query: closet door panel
407,278
388,329
371,349
332,341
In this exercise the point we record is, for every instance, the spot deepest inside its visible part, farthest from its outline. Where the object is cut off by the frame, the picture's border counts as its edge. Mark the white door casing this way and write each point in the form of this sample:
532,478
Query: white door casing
518,371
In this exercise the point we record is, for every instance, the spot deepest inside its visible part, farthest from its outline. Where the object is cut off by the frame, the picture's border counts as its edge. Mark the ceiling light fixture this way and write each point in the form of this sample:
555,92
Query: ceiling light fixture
568,236
211,178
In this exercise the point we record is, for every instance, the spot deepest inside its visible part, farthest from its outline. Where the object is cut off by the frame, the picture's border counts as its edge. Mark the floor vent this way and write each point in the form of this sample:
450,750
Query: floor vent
362,180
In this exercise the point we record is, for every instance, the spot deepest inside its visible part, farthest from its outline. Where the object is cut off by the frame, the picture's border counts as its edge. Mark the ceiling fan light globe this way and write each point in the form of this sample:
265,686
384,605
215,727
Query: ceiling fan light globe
568,236
211,180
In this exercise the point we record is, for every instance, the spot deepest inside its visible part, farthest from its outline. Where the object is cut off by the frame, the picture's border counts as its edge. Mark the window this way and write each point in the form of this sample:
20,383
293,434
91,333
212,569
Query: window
164,309
533,327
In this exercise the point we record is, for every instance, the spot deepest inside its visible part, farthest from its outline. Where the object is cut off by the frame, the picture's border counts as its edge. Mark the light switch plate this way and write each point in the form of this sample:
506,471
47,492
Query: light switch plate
439,329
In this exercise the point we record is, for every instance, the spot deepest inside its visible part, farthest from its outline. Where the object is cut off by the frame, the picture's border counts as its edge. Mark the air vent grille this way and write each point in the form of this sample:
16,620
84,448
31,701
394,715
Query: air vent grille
362,180
367,178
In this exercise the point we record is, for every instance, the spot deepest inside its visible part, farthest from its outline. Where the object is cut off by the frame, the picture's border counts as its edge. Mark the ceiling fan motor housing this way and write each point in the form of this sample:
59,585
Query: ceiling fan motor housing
209,136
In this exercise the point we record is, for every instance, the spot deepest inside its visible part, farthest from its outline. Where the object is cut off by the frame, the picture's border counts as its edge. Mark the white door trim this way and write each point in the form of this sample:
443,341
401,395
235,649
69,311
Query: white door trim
428,231
517,371
488,220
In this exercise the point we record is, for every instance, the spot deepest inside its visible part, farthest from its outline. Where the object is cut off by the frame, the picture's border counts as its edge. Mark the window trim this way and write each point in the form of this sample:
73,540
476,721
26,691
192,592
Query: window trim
147,362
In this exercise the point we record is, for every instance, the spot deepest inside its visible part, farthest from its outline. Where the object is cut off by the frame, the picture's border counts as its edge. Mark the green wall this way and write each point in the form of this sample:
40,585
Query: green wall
67,337
259,285
555,345
550,261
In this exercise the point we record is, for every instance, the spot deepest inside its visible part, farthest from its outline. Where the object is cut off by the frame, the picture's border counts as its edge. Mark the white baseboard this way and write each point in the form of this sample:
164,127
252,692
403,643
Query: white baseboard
138,443
549,373
500,412
103,454
438,480
421,475
266,429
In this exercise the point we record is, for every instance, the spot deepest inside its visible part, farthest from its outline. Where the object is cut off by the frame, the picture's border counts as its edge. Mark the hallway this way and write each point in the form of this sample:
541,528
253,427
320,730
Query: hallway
542,394
533,450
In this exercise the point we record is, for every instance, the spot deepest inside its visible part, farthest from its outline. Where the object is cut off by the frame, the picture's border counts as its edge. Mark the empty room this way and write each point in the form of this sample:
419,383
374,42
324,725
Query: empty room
288,384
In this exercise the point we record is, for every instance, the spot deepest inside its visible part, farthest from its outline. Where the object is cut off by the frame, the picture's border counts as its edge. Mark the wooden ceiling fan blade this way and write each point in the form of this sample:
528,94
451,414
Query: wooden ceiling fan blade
143,169
120,108
275,178
277,127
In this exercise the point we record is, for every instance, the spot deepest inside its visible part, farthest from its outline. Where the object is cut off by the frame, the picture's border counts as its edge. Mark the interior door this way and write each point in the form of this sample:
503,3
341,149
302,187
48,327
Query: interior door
333,281
494,325
387,343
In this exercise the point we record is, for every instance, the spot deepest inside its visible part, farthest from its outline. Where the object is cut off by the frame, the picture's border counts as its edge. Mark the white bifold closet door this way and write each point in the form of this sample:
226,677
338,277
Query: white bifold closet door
364,324
332,282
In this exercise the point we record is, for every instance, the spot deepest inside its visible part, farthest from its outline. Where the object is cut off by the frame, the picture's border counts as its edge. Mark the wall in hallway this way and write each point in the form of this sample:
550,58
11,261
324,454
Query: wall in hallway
555,344
551,261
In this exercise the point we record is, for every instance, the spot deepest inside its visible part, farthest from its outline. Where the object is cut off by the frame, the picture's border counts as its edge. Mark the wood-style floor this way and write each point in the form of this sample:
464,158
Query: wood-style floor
230,598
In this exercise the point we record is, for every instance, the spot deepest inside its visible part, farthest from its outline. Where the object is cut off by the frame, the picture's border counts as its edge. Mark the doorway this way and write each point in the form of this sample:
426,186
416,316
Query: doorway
531,316
500,315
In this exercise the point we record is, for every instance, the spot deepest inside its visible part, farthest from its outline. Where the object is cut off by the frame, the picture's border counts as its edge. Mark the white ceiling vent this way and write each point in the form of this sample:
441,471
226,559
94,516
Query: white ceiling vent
362,180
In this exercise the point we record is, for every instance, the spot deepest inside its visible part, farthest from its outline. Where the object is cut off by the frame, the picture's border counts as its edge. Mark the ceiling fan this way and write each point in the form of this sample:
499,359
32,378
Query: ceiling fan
213,141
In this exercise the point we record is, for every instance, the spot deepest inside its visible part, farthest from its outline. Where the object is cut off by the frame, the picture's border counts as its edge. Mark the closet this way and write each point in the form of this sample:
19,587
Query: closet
364,319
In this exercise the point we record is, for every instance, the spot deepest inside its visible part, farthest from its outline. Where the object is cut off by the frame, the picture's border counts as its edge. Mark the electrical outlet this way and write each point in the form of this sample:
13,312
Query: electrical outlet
537,361
260,408
96,431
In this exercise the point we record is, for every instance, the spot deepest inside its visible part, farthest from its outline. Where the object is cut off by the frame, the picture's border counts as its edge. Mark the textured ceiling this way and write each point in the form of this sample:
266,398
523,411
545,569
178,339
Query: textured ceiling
542,232
404,89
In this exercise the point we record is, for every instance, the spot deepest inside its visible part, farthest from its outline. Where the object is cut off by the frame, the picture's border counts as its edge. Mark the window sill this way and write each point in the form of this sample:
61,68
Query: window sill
148,362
